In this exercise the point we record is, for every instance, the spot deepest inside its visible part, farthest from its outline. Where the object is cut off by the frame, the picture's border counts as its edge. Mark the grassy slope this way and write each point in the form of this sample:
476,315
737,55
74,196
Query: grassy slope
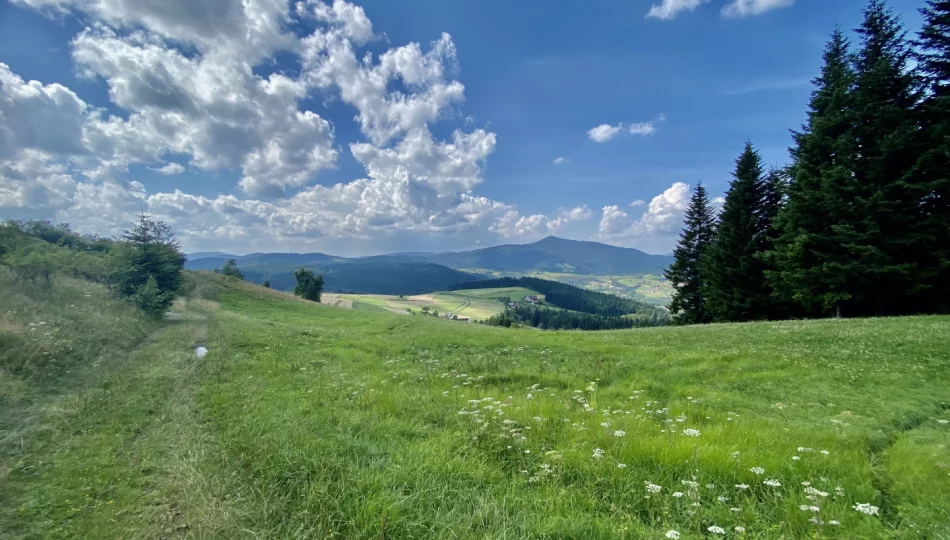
306,421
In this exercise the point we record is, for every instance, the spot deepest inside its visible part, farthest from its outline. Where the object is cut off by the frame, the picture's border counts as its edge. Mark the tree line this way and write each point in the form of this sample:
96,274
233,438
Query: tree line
560,319
144,265
858,223
570,297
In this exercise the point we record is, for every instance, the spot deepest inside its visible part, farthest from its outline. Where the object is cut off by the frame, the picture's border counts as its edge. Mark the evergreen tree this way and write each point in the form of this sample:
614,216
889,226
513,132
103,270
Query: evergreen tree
734,275
773,192
688,302
810,267
883,240
308,287
155,268
933,166
231,269
267,283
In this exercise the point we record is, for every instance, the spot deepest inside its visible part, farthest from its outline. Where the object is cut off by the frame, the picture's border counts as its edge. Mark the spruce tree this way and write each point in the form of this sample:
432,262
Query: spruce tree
688,302
773,191
735,277
883,243
810,267
933,166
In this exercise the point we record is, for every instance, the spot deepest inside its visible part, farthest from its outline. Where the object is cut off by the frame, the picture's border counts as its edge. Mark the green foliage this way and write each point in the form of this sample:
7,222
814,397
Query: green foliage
266,283
571,297
735,286
561,319
231,269
144,266
688,305
308,287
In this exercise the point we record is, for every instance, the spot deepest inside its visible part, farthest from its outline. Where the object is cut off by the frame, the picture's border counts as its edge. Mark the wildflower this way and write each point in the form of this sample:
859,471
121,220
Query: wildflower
619,433
866,508
621,465
652,488
710,486
824,452
943,421
834,522
722,499
757,470
678,494
742,486
772,483
673,535
807,508
691,432
815,492
598,453
740,529
530,396
605,424
735,509
795,458
716,529
690,484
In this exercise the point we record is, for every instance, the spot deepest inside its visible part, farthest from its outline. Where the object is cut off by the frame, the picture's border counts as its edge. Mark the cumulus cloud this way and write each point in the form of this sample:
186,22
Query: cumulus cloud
668,9
170,169
192,80
561,160
657,227
746,8
606,132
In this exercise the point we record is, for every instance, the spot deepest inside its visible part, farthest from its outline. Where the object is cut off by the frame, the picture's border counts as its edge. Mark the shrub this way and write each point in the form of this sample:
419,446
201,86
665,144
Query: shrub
308,286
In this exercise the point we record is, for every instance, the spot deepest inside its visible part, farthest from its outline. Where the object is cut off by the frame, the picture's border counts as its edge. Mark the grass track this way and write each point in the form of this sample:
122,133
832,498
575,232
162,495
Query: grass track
307,421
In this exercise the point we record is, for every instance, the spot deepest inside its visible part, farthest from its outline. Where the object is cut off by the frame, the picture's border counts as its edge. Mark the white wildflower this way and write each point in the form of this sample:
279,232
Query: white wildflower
677,494
834,522
740,529
621,465
619,433
866,508
673,535
742,486
691,432
757,470
716,529
652,488
824,452
598,453
772,483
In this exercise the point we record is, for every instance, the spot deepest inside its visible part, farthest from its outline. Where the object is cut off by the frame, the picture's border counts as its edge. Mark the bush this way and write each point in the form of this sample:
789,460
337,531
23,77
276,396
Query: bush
308,286
231,269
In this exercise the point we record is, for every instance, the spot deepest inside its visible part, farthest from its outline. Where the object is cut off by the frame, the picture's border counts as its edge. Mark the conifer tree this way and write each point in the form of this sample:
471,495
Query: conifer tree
810,267
773,192
688,302
933,166
882,243
734,276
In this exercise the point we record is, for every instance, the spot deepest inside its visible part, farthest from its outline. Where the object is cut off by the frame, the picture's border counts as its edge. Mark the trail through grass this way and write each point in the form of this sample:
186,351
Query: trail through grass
307,421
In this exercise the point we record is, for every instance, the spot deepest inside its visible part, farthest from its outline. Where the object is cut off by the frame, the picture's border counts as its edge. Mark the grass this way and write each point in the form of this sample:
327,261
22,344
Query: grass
308,421
644,287
462,303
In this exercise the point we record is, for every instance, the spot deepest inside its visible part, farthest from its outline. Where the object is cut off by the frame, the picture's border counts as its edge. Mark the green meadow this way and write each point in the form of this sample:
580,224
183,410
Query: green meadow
311,421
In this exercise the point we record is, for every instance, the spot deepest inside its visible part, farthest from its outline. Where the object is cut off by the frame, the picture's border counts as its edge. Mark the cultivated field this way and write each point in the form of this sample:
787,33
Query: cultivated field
477,304
305,421
644,287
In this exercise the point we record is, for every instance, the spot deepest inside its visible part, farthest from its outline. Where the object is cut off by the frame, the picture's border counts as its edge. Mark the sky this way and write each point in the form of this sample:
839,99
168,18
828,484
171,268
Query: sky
380,126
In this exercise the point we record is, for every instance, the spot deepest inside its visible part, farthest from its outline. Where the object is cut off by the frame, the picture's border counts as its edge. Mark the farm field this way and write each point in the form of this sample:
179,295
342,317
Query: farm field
477,304
644,287
305,421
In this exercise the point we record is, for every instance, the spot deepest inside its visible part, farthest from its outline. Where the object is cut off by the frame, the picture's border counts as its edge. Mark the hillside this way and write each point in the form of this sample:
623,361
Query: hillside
369,275
310,421
554,254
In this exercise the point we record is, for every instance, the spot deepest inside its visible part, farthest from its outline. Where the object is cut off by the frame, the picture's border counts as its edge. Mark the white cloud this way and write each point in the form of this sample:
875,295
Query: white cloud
606,132
192,83
171,169
746,8
656,229
561,160
668,9
638,203
642,128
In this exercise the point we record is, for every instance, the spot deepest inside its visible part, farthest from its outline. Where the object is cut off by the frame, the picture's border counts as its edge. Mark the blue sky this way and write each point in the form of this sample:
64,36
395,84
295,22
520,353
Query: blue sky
281,135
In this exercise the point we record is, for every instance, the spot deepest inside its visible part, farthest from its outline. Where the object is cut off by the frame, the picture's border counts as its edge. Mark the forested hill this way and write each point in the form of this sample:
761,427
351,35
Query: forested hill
570,297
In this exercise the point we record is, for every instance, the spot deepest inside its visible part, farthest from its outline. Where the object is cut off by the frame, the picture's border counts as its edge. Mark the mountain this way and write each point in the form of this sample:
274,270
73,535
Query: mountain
369,275
209,255
553,254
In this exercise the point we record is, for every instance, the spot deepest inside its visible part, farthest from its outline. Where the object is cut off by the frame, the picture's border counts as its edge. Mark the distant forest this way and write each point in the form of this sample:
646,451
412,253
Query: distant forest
580,309
858,224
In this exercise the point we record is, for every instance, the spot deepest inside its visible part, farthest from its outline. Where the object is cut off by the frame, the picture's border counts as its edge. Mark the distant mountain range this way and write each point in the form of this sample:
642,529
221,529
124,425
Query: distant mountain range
420,272
554,254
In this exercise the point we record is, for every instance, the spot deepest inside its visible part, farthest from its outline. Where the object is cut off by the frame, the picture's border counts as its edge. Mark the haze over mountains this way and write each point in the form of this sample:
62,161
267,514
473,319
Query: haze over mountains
421,272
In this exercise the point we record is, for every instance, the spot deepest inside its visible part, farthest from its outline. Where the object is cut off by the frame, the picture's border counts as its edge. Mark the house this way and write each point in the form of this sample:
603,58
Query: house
532,299
463,319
